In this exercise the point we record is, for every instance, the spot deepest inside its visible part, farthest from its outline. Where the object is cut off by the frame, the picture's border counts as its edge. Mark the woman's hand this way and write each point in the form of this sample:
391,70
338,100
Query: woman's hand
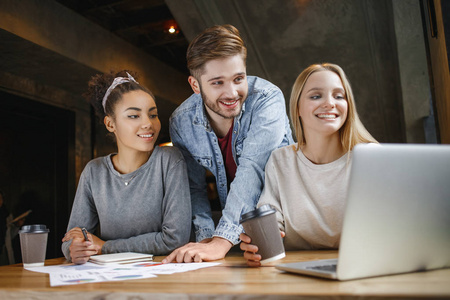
253,259
80,249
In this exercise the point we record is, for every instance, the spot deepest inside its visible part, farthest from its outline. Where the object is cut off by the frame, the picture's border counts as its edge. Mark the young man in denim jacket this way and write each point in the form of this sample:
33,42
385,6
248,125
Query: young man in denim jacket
230,126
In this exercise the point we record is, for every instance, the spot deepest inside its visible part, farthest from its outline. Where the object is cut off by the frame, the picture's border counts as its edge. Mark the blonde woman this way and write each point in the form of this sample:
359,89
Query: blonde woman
307,182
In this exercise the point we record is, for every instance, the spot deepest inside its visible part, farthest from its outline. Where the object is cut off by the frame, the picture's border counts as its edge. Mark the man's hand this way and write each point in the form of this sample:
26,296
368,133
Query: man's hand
253,259
81,250
212,249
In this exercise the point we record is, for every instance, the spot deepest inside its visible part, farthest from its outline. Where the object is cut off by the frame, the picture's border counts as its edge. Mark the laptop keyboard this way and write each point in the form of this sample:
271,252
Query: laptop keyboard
327,268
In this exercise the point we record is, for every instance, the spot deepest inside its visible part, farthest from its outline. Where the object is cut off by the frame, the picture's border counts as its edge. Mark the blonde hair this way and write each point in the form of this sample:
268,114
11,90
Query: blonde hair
352,131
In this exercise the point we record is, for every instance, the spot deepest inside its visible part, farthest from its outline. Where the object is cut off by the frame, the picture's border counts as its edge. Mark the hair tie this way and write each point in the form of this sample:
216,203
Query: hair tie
116,82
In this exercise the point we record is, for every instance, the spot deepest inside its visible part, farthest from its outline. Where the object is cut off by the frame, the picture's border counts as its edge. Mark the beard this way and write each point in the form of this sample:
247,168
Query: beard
223,112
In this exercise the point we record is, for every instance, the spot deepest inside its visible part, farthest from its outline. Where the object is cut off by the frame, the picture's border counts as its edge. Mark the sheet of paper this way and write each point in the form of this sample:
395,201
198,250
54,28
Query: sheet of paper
67,268
79,277
173,268
68,274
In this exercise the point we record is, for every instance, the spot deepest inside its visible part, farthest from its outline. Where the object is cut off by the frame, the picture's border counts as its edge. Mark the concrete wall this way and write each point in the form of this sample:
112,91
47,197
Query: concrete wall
413,68
362,36
48,53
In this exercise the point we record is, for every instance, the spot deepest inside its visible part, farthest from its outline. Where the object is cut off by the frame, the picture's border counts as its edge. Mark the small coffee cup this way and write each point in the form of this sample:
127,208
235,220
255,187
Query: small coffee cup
261,226
33,243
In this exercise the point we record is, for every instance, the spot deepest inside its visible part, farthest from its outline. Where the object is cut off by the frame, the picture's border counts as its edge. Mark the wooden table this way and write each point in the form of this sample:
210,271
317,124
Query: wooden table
230,280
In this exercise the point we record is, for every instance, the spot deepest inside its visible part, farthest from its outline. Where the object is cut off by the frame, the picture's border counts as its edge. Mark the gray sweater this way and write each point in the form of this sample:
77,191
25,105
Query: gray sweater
147,211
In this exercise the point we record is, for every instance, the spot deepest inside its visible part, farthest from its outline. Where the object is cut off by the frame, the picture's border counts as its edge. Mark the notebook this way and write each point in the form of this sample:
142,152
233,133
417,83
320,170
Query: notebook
120,258
397,216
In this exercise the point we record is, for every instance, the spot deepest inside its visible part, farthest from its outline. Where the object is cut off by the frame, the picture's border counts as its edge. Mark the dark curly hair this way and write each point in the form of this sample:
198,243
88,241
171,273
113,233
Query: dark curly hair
99,84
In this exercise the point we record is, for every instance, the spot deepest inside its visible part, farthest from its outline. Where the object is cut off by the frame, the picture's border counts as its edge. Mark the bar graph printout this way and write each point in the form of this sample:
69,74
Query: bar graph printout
68,274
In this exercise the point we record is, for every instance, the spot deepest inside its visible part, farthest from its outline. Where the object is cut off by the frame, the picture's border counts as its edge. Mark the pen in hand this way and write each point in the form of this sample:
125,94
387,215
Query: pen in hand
85,234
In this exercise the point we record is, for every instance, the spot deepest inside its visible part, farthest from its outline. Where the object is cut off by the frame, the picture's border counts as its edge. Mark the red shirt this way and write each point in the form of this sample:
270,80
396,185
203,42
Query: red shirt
227,154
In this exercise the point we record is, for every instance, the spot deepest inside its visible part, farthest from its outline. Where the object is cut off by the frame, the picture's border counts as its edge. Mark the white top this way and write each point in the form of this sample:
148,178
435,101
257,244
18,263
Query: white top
309,198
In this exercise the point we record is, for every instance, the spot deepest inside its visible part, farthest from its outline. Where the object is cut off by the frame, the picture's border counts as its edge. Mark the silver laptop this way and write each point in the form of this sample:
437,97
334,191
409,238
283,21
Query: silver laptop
397,216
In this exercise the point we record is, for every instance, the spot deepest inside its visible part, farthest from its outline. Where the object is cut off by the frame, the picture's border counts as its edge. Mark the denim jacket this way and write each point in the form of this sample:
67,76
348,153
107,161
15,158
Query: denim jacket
261,127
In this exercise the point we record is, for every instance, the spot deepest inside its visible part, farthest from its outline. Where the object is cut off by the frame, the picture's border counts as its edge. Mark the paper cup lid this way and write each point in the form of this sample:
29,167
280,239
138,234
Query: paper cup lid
39,228
264,210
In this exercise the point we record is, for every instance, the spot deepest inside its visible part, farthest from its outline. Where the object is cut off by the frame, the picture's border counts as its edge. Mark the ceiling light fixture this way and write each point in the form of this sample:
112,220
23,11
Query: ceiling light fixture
171,27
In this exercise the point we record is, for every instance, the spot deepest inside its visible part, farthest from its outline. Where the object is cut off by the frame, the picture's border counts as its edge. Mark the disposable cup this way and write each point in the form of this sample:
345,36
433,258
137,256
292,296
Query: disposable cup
261,226
33,243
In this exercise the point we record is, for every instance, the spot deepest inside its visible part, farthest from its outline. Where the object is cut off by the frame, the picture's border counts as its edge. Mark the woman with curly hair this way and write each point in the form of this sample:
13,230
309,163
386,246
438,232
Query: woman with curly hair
135,200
